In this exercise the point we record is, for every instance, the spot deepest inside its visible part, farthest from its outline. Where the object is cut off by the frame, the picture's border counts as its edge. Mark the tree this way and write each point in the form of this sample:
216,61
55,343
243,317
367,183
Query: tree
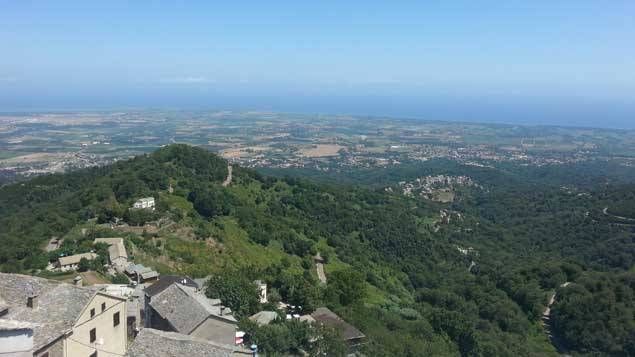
139,217
235,291
294,337
326,341
84,264
211,201
346,287
120,279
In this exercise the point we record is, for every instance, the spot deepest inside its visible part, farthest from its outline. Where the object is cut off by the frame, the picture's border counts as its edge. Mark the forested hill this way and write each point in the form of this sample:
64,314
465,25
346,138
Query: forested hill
396,268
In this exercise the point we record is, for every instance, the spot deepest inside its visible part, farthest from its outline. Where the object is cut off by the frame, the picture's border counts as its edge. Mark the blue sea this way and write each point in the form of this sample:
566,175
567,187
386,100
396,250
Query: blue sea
577,112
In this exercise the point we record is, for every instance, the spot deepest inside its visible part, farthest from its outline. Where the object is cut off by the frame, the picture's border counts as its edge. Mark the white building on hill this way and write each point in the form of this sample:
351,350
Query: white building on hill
146,203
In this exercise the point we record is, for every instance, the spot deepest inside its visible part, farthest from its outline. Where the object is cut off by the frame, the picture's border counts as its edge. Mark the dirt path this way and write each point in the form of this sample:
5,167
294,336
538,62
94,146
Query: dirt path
320,272
319,266
228,180
548,325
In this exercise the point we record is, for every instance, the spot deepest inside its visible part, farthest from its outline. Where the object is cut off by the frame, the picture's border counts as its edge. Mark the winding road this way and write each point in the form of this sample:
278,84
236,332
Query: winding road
606,213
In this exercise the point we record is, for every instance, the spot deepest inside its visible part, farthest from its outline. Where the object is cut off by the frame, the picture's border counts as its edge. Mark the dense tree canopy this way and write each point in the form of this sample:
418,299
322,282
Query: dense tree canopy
394,268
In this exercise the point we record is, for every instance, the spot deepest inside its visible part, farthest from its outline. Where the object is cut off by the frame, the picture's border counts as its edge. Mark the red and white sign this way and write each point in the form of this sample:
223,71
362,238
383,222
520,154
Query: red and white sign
239,337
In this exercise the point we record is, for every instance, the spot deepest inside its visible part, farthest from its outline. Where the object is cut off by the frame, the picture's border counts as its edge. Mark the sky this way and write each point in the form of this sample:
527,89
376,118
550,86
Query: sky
565,62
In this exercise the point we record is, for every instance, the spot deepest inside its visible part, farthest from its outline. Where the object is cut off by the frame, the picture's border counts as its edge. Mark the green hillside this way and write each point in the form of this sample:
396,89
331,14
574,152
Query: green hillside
393,268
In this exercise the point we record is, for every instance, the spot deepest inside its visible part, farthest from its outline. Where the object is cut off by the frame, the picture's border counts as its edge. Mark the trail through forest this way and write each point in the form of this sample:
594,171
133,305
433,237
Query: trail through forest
547,324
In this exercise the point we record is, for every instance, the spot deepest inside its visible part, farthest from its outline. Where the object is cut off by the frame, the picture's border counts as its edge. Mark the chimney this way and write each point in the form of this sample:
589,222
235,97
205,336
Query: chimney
31,296
78,281
222,309
31,300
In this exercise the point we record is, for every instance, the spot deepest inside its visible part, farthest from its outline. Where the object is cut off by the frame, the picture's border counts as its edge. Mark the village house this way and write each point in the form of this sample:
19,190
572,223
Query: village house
141,273
133,306
165,281
116,252
144,203
71,262
185,310
350,333
53,319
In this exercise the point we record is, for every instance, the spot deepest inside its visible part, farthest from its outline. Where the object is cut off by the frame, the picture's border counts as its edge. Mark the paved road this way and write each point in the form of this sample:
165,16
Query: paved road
606,212
228,180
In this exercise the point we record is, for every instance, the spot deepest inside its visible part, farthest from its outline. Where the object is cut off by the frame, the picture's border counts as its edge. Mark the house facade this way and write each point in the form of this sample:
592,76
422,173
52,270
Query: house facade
60,320
100,328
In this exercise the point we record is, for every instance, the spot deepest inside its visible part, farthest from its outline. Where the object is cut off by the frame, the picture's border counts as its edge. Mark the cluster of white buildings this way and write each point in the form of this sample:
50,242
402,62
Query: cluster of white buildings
426,185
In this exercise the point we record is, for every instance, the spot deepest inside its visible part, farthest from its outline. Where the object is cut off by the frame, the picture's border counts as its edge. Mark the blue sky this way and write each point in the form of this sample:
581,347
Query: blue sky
560,62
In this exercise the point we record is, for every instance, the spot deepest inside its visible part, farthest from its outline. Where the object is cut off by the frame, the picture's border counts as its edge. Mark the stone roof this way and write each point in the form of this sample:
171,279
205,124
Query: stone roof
151,343
149,275
307,318
185,309
137,269
10,325
3,306
146,199
116,247
202,282
58,308
166,280
212,306
264,317
329,318
74,259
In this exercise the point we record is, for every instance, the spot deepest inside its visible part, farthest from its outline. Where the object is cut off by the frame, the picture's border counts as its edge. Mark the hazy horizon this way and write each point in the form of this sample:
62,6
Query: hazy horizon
570,63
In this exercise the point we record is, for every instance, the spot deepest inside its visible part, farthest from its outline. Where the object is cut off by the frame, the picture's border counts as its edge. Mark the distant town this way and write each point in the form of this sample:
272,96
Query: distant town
39,143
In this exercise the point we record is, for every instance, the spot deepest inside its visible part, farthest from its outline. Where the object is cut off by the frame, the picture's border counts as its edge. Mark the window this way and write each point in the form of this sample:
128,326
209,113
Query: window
115,319
103,306
92,313
94,354
93,335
